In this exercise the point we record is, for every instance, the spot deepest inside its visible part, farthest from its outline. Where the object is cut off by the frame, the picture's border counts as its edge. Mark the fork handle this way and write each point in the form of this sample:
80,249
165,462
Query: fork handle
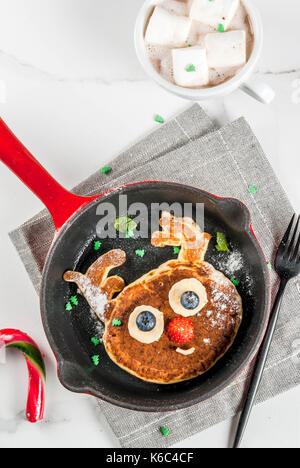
259,366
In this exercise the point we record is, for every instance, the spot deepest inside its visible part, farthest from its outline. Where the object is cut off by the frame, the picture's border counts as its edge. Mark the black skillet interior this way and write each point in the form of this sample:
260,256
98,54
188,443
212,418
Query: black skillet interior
70,332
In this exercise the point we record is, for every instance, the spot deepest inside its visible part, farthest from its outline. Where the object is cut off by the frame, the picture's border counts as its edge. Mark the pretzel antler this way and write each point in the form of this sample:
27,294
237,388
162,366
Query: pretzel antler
96,287
182,232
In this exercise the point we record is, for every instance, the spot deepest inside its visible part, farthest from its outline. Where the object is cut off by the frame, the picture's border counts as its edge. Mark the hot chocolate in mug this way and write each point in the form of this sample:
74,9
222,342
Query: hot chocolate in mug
243,79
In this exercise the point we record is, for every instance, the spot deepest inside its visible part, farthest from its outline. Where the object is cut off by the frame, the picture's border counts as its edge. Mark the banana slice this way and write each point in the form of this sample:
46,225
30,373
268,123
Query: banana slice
146,336
185,352
187,297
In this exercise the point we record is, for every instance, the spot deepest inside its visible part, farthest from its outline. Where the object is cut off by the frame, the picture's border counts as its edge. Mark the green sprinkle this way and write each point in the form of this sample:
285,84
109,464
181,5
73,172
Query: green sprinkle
69,306
252,189
140,253
95,341
106,169
97,245
96,359
269,265
125,224
222,245
74,300
176,250
235,282
190,45
221,28
159,119
116,323
165,432
191,68
129,234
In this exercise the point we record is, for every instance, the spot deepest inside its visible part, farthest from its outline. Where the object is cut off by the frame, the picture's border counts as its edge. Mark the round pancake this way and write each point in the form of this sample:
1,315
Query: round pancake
215,325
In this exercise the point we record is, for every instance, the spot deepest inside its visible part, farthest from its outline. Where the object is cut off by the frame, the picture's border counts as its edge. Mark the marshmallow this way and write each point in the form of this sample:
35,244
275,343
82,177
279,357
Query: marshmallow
167,29
226,49
215,12
194,58
173,6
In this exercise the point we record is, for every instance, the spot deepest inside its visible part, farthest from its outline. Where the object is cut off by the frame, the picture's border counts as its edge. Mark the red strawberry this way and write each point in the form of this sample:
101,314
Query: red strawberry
180,330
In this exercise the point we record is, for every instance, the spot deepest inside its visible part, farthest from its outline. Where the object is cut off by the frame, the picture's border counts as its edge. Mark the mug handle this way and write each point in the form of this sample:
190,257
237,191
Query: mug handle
258,90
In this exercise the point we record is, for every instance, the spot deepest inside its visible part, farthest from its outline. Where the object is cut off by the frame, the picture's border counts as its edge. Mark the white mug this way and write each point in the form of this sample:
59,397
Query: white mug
243,79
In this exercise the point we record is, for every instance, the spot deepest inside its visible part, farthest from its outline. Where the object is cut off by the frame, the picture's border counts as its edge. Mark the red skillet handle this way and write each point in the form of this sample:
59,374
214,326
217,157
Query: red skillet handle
61,203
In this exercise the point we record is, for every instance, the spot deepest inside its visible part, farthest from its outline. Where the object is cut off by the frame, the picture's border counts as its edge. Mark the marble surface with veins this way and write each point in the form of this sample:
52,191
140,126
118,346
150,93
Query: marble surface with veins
69,83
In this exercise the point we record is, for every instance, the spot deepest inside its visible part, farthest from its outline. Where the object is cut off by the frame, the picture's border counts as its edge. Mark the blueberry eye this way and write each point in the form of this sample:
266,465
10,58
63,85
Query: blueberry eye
187,297
189,300
146,321
146,324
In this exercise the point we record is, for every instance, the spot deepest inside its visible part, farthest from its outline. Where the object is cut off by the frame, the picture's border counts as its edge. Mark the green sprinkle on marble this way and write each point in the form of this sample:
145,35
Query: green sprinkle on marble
234,281
269,265
106,170
159,119
68,306
140,253
221,28
96,359
97,245
252,189
116,323
176,250
95,341
165,432
190,68
74,300
222,245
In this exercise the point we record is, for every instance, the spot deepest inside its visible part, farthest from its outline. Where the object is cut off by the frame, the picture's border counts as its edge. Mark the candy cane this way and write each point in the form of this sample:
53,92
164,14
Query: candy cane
36,370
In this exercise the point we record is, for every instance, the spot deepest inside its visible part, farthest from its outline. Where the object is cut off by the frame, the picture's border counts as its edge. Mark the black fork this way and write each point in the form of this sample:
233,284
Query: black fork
287,266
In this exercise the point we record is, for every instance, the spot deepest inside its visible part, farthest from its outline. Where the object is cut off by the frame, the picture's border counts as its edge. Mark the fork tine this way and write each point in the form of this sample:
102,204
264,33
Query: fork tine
292,242
286,235
297,249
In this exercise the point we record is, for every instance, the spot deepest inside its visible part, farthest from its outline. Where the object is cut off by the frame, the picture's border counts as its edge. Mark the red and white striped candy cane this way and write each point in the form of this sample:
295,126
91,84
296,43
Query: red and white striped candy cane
11,338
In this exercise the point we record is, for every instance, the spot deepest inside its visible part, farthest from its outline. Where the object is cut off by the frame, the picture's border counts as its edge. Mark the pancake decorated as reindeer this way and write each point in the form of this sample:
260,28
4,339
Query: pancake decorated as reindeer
175,322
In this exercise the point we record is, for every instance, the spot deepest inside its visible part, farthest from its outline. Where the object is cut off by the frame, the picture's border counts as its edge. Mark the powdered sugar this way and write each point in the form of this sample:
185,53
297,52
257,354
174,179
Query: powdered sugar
96,299
218,296
233,266
99,326
230,263
223,298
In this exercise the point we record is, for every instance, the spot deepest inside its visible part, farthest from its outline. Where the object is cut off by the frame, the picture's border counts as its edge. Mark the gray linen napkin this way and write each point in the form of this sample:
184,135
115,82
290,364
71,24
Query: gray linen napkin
189,149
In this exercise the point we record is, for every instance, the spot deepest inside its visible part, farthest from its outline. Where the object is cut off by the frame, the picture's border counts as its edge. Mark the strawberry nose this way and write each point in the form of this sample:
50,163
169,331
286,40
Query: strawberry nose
180,330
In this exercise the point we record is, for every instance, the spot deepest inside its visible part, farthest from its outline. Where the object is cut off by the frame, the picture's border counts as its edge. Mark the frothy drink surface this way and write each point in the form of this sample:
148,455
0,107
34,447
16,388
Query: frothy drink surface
162,43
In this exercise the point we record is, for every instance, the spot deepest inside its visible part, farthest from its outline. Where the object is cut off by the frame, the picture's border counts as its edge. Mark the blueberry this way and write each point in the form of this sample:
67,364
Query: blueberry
189,300
146,321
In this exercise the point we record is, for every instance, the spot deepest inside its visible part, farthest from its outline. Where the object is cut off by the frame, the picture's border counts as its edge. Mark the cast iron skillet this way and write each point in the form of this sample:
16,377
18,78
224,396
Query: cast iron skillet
69,333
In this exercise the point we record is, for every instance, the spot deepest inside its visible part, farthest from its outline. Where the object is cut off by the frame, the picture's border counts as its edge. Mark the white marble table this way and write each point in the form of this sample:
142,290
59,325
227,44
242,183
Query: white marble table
69,81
